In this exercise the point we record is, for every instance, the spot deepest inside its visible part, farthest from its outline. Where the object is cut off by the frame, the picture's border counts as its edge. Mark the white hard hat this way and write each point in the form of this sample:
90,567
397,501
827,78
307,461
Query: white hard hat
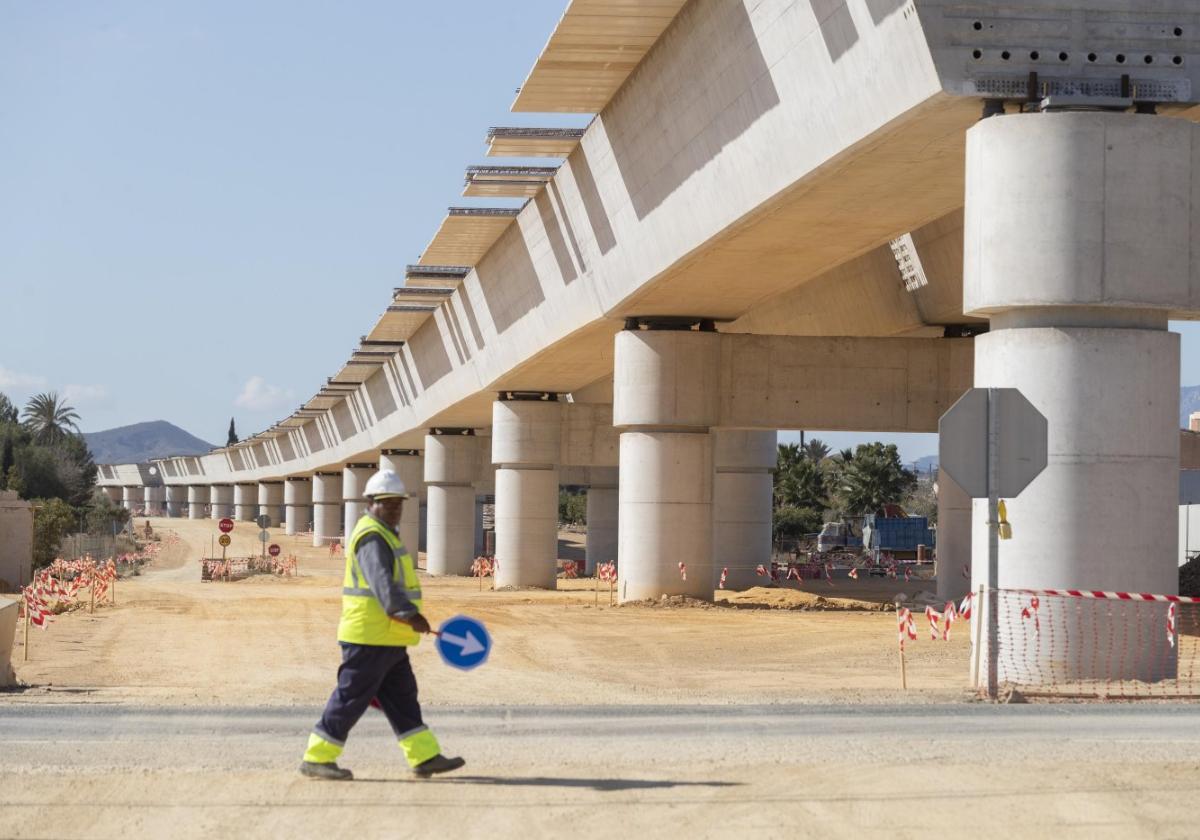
385,484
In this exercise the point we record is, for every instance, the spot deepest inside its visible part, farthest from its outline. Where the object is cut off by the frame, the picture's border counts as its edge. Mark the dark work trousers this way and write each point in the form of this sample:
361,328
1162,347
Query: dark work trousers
366,672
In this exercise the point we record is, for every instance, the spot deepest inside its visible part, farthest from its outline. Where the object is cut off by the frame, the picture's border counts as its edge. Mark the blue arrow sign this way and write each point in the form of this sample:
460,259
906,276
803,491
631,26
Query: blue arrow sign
463,642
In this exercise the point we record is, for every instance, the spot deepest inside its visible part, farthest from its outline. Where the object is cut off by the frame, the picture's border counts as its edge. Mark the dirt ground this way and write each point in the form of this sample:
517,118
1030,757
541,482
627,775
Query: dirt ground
172,638
182,712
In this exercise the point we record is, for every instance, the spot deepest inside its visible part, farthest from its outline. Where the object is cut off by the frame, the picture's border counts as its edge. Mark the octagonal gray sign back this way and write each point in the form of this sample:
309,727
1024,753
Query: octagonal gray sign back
1021,440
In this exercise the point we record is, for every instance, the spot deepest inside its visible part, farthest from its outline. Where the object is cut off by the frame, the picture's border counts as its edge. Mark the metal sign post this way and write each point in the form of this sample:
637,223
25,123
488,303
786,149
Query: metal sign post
993,522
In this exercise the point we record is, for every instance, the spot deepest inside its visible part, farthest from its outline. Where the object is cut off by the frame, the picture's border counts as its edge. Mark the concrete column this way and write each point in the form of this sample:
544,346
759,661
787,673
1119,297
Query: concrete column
131,498
270,501
1078,262
327,507
297,505
245,502
197,496
601,518
152,500
354,482
221,501
743,504
409,465
953,539
526,445
664,402
177,495
115,494
451,464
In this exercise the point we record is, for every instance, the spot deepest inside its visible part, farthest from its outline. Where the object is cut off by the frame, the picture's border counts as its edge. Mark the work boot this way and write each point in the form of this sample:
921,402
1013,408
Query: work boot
329,772
438,764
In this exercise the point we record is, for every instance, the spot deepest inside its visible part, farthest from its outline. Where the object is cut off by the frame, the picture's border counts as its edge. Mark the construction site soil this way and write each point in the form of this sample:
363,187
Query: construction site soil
217,651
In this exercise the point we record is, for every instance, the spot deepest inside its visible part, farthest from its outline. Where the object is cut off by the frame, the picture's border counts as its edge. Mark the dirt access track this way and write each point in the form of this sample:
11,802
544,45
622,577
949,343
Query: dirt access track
184,709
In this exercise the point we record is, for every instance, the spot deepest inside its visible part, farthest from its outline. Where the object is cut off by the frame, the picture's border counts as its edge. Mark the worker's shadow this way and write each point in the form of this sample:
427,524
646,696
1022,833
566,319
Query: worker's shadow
556,781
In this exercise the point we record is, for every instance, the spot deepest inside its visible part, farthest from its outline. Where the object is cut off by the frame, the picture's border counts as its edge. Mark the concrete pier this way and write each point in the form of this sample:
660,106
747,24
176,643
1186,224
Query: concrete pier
743,503
197,496
221,501
270,501
152,500
409,465
602,522
297,505
132,497
451,465
526,443
1078,263
245,502
953,539
327,508
354,481
176,500
664,402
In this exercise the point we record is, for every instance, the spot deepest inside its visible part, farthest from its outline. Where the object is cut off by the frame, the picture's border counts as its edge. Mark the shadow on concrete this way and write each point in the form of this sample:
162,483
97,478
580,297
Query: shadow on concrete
880,9
554,234
837,27
581,170
508,280
718,86
603,785
429,353
472,321
343,420
313,436
456,334
380,394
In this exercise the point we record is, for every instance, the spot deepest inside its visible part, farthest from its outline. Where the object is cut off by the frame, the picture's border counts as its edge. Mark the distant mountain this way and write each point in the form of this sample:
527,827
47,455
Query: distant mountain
1189,401
142,442
924,465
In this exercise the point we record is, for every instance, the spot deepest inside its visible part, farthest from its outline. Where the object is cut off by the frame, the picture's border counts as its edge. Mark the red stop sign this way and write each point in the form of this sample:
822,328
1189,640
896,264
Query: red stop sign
226,525
273,550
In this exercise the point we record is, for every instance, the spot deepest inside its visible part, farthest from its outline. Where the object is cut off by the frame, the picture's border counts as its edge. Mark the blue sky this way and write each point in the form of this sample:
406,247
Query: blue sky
204,205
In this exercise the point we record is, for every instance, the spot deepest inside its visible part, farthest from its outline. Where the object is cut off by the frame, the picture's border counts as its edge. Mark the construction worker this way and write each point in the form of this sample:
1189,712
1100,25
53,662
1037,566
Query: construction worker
381,619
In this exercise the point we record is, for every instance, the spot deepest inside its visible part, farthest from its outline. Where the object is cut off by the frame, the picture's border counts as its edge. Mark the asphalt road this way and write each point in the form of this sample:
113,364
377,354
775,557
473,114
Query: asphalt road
896,771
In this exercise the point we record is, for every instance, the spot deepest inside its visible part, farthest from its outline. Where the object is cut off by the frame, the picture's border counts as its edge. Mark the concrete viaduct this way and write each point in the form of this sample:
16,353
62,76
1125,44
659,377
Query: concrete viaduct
786,214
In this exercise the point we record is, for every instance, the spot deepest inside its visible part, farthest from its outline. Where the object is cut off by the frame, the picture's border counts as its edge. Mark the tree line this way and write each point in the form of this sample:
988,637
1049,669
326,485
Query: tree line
44,458
813,485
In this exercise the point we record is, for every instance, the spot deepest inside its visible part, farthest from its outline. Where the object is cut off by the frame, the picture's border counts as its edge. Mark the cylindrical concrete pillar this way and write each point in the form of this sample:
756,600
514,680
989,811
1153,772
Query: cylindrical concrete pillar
220,501
743,504
114,494
664,402
131,498
152,500
354,482
953,539
451,464
1079,263
408,464
297,505
270,501
327,508
177,497
198,496
602,527
245,502
666,515
526,443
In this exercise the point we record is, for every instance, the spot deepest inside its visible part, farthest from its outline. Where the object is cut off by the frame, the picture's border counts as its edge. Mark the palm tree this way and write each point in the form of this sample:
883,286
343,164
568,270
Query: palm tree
816,450
50,419
872,478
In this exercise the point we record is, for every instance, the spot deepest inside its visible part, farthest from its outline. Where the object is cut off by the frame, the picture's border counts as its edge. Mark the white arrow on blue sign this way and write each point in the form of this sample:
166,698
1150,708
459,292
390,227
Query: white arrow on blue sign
463,642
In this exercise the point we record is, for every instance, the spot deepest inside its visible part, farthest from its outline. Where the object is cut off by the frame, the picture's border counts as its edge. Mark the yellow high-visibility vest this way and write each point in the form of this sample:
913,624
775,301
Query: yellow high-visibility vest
363,620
